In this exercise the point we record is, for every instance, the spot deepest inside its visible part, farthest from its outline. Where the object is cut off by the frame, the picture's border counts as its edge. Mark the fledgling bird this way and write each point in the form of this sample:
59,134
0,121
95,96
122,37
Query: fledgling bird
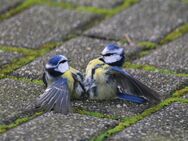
106,79
63,83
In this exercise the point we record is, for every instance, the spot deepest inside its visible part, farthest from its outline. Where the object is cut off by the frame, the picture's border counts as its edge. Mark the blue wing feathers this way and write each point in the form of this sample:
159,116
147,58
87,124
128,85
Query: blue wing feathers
131,98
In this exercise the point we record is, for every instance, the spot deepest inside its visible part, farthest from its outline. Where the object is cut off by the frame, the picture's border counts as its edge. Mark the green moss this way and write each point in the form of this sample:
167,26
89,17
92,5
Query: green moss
16,49
108,12
15,65
126,122
178,32
147,45
5,127
38,82
26,4
153,69
29,55
132,120
94,114
185,1
181,92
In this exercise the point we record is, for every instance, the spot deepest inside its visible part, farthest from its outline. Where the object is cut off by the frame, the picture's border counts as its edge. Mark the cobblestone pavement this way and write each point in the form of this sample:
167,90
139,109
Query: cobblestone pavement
154,34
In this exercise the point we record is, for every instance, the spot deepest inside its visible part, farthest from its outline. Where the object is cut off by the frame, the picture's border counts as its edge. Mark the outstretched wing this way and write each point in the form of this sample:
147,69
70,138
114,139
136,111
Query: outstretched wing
56,97
126,83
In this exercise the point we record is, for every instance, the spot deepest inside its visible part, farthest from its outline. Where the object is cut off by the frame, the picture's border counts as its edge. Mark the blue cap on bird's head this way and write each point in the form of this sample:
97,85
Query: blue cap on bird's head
113,55
57,63
113,48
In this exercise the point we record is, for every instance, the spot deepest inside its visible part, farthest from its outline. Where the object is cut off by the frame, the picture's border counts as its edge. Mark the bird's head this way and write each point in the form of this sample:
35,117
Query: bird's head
57,65
113,55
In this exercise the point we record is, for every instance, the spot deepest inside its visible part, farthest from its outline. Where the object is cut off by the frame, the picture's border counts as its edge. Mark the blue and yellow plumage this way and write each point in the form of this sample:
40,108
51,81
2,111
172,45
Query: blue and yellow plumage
63,83
105,79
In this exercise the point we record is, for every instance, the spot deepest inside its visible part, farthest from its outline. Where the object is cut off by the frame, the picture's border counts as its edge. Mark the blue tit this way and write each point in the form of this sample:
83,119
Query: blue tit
63,83
106,79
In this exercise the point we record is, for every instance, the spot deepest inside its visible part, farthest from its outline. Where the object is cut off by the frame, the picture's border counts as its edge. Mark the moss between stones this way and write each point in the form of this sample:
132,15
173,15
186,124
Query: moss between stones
29,55
108,12
178,32
153,69
33,81
181,92
147,45
5,127
126,122
132,120
28,3
94,114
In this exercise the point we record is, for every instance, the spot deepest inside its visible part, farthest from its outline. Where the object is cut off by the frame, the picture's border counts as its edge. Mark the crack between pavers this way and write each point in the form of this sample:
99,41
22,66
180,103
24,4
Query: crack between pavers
127,122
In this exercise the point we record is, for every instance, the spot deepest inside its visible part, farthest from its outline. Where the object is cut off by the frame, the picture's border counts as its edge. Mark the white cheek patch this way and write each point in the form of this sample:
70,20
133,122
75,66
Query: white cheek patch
63,67
112,59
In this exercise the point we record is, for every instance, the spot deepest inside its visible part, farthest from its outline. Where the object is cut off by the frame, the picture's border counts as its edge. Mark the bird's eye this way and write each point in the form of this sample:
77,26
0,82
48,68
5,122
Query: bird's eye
63,61
108,54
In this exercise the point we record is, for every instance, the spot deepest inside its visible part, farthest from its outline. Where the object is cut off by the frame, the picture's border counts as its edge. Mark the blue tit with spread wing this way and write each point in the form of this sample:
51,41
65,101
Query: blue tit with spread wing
106,79
63,83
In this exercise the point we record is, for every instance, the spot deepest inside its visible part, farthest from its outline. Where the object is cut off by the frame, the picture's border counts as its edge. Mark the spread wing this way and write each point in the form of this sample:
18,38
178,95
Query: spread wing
56,97
126,83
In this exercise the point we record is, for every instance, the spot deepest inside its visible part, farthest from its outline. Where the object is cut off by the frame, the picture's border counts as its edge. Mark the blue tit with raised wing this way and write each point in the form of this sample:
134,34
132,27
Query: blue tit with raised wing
106,79
63,83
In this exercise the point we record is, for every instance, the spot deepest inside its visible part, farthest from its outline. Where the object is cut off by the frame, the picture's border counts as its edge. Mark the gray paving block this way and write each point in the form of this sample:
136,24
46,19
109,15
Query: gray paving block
42,24
80,50
59,127
169,124
8,57
173,56
147,20
163,84
16,96
95,3
8,4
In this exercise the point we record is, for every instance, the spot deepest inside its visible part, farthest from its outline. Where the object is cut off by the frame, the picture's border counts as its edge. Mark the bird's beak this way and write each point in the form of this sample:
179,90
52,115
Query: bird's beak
101,58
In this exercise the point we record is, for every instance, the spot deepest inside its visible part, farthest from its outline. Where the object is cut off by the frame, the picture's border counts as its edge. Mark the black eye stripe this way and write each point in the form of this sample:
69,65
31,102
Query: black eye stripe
108,54
63,61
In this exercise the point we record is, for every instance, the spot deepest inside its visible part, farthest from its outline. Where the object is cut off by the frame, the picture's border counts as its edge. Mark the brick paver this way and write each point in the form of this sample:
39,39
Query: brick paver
16,97
57,127
173,56
147,20
169,124
42,24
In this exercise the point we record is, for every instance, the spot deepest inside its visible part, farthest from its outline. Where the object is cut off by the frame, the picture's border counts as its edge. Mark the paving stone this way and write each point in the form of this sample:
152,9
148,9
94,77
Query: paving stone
42,24
80,50
147,20
163,84
8,4
173,56
7,57
59,127
16,96
95,3
168,124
